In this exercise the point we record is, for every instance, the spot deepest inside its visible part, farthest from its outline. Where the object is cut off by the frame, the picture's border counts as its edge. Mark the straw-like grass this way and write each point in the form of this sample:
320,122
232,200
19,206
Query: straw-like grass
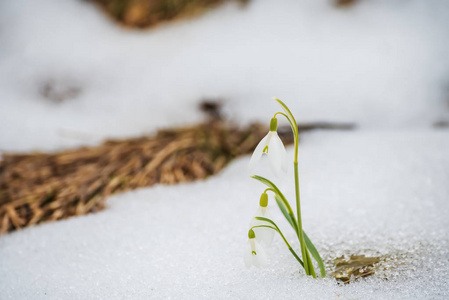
42,187
148,13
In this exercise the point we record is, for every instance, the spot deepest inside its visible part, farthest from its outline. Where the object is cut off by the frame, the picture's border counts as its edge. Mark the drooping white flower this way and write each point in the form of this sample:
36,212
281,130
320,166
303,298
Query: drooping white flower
271,145
264,235
254,253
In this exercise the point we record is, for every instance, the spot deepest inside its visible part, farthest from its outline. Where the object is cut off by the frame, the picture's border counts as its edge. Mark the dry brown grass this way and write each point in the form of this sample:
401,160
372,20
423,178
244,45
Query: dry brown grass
42,187
147,13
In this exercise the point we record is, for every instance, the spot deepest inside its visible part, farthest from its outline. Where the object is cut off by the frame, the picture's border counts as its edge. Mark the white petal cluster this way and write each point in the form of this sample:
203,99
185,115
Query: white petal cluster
271,145
254,254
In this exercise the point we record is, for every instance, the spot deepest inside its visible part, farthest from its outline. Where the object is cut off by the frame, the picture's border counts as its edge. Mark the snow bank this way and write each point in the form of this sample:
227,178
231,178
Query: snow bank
361,193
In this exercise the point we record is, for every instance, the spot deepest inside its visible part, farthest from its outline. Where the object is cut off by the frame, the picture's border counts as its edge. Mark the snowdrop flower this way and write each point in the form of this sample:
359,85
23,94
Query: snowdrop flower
271,145
264,235
254,253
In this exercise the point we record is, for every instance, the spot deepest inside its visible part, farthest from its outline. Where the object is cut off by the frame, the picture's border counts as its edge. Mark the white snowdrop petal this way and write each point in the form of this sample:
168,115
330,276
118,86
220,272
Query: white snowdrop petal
261,212
247,256
258,152
255,261
262,259
254,256
268,234
283,153
263,235
255,222
275,153
284,159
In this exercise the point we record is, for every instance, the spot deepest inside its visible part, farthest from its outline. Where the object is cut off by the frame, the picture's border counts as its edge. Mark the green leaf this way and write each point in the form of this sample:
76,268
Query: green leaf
296,256
285,212
315,254
267,220
310,264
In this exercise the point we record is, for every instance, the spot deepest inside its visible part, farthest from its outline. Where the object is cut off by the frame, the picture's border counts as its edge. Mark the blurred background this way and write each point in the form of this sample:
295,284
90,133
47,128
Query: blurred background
76,72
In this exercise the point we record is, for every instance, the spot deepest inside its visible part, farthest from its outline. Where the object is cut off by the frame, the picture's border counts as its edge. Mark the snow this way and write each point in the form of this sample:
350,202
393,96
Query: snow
381,190
370,195
379,64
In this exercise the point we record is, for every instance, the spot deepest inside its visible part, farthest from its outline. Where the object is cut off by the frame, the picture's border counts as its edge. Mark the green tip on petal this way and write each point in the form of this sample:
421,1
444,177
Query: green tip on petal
251,234
274,124
264,200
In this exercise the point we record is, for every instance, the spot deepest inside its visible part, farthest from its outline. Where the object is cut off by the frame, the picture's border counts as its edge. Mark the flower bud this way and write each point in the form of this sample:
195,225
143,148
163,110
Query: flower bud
263,200
274,124
251,234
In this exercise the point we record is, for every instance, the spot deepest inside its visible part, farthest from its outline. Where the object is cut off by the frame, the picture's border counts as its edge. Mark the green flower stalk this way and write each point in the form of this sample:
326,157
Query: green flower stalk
273,147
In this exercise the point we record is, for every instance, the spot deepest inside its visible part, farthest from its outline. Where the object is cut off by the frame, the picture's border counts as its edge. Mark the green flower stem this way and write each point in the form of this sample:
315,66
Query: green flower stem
308,266
269,189
280,113
299,223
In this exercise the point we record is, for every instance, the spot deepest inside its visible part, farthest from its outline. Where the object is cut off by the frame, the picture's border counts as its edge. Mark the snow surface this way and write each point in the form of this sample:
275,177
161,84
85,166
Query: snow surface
361,193
381,190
